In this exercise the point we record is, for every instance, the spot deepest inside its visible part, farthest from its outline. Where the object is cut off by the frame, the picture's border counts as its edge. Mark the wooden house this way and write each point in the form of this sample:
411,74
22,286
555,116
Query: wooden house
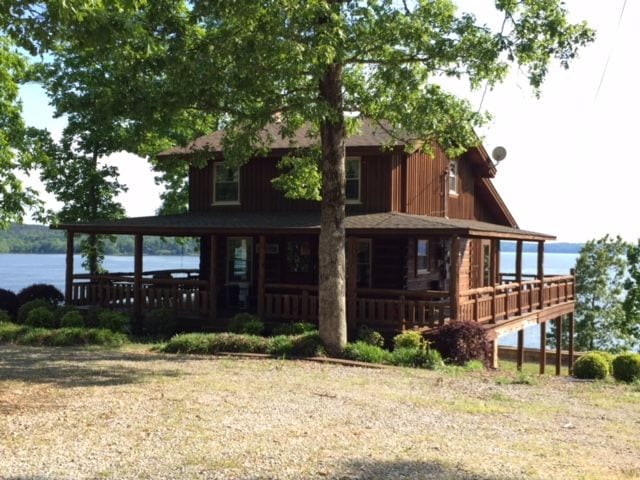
423,244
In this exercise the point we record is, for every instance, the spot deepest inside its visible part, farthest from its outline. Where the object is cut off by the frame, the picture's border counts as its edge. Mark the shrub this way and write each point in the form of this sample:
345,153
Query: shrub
24,309
408,339
363,352
114,321
592,366
42,291
626,367
297,328
72,319
370,336
305,345
42,317
9,302
160,321
461,341
188,343
246,323
607,357
5,317
10,331
417,357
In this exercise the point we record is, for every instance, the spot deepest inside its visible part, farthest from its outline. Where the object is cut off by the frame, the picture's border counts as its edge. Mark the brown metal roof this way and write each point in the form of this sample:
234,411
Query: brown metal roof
370,135
230,222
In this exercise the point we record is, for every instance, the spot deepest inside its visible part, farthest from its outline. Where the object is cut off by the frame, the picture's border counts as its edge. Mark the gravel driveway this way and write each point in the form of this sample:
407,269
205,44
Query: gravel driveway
75,414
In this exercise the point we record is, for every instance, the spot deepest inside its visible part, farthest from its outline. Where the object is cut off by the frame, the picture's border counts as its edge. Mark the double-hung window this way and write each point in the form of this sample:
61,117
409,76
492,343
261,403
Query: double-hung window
226,185
422,256
352,187
453,176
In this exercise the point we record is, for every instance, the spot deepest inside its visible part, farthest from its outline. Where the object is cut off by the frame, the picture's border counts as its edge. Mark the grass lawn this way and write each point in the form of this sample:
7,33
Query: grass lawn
129,413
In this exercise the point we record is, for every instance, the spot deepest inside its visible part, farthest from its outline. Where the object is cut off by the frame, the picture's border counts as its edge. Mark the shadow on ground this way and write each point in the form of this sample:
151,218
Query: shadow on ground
69,368
365,469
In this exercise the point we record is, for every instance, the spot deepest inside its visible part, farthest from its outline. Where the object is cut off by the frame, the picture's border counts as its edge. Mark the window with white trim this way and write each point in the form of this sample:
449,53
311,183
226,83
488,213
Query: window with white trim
453,176
352,186
422,256
226,185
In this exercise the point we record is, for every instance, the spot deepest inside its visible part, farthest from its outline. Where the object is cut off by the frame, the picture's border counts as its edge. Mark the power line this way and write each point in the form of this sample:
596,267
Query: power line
606,65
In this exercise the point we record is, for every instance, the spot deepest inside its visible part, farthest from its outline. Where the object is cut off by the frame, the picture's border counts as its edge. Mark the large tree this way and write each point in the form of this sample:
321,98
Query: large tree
326,62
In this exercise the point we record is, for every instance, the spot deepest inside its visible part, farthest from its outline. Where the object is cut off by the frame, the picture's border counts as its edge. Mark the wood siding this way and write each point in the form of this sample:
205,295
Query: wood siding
258,194
424,183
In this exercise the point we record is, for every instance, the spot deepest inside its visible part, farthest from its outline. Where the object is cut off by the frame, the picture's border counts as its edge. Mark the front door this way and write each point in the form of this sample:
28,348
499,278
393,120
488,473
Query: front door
239,270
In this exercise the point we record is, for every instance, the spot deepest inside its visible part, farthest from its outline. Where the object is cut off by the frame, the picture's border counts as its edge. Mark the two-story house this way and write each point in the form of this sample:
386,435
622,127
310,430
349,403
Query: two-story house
423,244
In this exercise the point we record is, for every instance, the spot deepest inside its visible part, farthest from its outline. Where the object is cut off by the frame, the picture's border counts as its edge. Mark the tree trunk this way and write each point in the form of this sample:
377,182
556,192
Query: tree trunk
331,292
92,242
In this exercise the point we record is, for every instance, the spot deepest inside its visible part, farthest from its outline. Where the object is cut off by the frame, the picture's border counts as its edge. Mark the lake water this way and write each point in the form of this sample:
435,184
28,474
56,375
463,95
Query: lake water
20,270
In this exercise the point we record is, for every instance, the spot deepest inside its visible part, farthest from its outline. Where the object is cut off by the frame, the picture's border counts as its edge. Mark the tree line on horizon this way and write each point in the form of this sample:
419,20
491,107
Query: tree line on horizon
41,239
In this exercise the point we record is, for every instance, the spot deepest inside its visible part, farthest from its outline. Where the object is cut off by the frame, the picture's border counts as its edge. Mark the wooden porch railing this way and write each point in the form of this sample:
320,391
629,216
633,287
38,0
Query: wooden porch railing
385,309
116,290
291,302
401,309
490,304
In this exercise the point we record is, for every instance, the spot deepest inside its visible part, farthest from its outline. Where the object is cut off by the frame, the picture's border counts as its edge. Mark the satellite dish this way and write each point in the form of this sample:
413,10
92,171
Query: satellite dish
499,154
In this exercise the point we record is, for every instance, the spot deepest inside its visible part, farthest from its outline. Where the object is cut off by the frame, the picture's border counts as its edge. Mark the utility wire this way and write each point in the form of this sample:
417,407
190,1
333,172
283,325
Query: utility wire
606,65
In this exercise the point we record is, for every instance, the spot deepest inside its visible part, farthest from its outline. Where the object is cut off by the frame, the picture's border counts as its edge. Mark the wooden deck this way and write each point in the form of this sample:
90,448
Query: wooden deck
502,308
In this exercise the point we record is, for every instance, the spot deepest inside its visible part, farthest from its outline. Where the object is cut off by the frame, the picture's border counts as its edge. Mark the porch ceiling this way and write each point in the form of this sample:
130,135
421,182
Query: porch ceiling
240,223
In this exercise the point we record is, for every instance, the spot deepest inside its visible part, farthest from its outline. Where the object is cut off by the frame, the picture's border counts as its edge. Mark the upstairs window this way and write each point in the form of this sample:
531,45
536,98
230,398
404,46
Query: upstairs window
226,185
453,176
422,256
352,187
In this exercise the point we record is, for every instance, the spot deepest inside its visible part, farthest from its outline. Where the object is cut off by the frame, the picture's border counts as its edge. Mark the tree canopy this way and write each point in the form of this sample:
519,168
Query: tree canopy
173,69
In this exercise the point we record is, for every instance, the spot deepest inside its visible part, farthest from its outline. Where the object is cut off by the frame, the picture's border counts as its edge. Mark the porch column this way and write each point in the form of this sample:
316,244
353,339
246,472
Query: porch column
541,272
543,347
352,281
519,275
520,356
572,327
262,249
454,288
495,262
137,282
68,282
558,345
213,273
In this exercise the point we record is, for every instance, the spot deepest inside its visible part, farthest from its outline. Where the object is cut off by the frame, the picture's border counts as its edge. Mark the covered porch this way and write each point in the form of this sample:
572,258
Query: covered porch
403,272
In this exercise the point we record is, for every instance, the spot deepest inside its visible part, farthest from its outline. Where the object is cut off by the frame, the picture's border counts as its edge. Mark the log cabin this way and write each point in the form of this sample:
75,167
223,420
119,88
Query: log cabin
423,237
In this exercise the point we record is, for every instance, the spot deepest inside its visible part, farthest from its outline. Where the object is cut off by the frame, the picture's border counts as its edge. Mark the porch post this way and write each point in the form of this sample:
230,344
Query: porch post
558,345
495,262
454,288
520,358
213,288
519,275
262,249
543,347
572,327
68,282
352,281
541,272
137,282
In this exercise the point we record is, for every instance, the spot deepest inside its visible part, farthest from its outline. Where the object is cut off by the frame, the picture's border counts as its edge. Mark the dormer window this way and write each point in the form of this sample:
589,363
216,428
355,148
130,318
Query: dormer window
226,185
352,187
453,176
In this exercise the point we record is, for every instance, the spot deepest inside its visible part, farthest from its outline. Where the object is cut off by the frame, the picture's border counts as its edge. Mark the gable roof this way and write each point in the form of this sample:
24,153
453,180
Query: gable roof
370,134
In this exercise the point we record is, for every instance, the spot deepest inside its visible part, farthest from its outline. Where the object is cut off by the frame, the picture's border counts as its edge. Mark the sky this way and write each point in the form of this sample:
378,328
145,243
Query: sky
571,168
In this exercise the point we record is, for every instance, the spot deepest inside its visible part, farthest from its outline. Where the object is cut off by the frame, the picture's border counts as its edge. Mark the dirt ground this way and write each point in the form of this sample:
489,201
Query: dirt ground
123,414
